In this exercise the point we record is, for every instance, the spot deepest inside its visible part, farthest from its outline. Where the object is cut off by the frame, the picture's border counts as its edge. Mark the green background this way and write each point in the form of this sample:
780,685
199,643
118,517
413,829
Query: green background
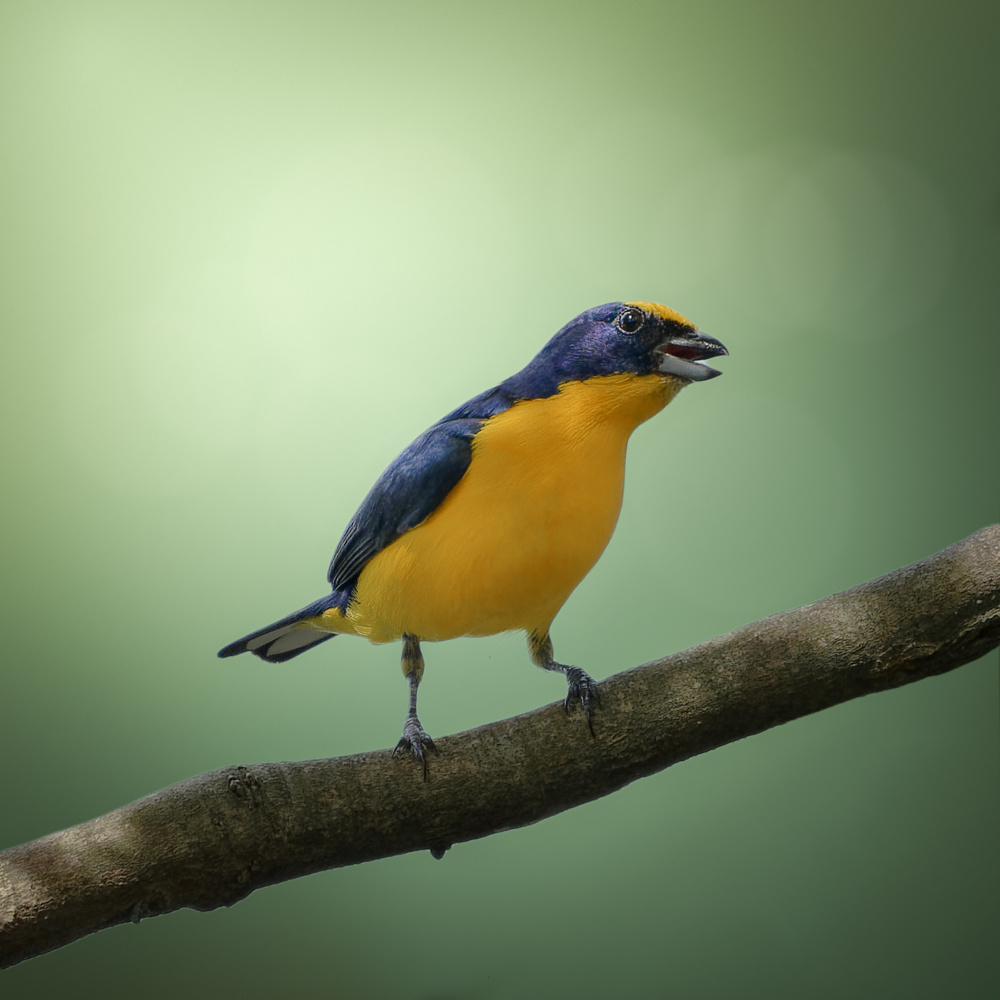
250,250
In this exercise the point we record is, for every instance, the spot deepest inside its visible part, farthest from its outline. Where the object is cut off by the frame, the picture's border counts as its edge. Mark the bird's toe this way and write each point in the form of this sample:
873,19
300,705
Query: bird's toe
582,691
416,740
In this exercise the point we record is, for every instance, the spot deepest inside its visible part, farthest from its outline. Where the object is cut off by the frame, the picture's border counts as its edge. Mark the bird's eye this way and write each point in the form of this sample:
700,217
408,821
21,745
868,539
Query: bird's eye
630,320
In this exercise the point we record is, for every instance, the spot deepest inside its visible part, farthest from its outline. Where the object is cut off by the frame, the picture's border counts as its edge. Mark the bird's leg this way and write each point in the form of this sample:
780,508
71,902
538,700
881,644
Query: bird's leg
414,738
582,687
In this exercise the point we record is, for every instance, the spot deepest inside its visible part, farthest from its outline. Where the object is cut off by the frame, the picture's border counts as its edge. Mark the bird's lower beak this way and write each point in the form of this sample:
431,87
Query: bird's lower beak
683,355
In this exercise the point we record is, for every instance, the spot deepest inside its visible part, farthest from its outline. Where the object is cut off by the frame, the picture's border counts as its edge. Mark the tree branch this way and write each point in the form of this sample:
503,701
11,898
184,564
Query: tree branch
211,840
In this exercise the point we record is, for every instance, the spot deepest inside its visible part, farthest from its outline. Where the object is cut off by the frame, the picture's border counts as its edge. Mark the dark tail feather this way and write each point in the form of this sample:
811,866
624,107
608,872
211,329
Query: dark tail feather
284,639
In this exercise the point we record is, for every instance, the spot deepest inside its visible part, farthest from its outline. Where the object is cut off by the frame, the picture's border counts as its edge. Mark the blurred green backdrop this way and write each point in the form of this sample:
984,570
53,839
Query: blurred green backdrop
251,249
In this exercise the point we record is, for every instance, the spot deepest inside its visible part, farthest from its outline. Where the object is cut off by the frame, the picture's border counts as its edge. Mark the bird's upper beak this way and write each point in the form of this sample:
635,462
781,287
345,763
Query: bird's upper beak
683,352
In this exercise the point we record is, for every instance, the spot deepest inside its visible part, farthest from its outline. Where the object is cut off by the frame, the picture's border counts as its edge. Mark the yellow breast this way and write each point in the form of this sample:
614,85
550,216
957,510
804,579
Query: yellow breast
529,518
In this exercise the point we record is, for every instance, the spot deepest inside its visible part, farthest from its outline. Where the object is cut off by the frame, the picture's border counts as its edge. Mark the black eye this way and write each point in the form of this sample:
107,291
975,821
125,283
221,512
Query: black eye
630,320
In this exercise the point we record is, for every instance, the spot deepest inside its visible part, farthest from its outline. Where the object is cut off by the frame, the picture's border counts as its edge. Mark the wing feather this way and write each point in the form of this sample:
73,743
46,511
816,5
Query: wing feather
407,493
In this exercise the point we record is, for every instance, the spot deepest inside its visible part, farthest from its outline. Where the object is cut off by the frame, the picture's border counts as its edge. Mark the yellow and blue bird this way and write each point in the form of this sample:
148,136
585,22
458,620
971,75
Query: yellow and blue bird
487,522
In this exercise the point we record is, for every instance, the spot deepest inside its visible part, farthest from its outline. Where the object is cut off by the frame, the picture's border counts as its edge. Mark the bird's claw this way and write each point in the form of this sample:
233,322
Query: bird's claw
415,739
582,690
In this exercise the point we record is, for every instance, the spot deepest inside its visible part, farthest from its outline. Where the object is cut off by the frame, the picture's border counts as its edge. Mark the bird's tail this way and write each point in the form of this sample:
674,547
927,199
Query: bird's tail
292,635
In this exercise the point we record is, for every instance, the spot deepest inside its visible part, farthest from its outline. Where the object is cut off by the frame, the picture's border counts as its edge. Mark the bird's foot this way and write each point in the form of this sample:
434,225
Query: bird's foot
582,691
415,739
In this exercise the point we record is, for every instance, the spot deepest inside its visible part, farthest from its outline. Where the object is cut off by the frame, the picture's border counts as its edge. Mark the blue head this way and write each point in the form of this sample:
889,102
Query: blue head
640,338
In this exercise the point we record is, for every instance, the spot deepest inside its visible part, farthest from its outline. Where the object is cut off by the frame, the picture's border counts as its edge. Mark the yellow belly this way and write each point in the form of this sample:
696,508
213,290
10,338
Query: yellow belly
524,525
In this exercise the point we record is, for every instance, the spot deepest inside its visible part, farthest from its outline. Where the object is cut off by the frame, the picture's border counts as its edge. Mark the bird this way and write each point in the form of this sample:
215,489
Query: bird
489,520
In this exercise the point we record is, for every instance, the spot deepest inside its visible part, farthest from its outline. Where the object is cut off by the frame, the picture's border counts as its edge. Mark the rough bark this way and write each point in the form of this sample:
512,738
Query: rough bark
213,839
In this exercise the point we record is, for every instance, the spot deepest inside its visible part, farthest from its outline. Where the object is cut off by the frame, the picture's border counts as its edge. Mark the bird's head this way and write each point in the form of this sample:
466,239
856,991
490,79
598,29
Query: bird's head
643,338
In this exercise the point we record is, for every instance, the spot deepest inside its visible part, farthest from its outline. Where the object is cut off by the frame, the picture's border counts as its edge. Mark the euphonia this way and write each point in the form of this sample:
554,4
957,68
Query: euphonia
487,522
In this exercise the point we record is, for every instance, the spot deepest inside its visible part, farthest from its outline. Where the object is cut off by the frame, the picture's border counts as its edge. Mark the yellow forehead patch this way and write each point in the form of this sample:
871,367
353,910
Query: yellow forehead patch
664,312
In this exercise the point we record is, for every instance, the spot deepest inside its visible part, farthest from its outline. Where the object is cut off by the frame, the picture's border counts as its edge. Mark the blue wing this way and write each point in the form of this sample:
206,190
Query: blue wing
408,492
415,484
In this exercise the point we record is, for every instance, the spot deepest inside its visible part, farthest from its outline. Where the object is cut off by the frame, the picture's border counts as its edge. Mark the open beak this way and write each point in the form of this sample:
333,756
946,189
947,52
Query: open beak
683,355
